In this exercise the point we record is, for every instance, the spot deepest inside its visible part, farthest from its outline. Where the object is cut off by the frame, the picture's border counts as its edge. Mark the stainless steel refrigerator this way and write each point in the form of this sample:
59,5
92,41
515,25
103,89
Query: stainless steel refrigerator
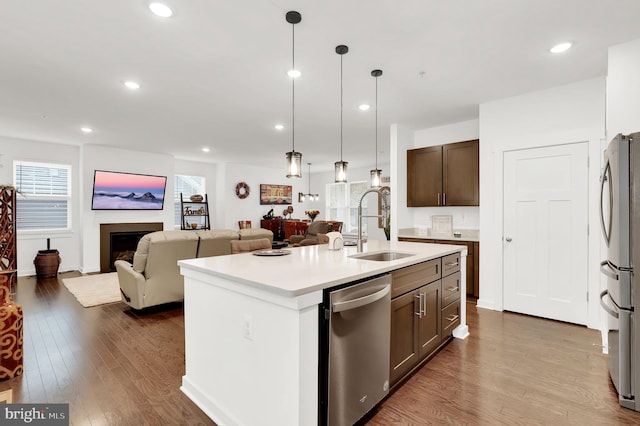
620,220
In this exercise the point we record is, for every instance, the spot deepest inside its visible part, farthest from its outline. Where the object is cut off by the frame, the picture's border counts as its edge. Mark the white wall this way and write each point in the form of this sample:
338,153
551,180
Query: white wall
623,87
401,138
463,217
571,113
235,209
95,157
29,242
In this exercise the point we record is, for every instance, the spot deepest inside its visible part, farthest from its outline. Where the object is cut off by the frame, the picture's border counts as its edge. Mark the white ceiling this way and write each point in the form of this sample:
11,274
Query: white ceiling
215,73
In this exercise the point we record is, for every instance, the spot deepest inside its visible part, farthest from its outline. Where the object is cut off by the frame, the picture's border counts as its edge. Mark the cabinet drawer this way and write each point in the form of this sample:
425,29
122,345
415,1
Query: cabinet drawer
450,264
412,277
450,318
450,289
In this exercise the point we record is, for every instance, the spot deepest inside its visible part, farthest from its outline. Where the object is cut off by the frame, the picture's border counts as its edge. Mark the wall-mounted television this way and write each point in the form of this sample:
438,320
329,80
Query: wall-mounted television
127,191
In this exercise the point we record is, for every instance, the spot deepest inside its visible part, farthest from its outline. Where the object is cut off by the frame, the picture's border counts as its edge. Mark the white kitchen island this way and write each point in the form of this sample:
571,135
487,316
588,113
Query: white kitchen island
251,327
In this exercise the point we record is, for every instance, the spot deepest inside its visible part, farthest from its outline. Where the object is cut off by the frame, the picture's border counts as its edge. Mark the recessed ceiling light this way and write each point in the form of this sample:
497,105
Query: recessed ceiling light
161,10
206,149
279,127
132,85
294,73
364,107
86,129
559,48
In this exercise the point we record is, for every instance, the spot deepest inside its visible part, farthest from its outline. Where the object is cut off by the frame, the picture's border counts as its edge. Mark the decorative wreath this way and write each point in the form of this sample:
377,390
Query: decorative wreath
242,190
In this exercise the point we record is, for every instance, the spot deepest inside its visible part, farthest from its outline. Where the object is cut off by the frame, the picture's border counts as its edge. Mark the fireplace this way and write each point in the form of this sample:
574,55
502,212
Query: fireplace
118,241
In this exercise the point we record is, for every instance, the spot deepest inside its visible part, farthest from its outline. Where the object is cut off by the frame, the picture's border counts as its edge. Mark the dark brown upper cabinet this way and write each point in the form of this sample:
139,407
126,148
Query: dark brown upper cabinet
444,175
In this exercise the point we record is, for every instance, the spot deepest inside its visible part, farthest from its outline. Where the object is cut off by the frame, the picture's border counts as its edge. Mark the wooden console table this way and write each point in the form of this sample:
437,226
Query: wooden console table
284,228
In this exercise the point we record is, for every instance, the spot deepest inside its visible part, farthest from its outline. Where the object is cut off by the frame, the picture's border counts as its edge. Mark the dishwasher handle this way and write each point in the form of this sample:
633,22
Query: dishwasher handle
361,301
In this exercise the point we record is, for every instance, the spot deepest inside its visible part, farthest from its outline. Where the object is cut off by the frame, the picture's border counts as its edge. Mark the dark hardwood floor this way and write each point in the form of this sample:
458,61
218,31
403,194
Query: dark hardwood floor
115,366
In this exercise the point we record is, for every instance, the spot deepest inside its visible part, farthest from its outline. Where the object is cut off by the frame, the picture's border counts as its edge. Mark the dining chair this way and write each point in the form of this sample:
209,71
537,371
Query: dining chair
244,224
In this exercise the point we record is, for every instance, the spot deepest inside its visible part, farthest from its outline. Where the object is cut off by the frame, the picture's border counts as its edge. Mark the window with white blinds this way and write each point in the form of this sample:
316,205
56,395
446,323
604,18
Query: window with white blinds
342,204
44,199
188,186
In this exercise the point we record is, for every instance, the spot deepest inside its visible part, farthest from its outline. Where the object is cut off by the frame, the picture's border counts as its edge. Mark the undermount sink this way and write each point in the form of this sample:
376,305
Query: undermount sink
382,255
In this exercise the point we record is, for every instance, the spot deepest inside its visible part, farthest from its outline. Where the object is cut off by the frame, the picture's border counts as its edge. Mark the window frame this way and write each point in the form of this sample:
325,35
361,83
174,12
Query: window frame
22,194
346,206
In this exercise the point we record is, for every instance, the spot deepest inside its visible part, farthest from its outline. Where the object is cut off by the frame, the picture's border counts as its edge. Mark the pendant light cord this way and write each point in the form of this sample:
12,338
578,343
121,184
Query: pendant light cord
376,123
341,107
293,88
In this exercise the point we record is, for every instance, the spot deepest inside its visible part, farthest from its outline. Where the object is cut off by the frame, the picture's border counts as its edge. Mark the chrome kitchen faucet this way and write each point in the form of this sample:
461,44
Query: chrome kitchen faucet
385,208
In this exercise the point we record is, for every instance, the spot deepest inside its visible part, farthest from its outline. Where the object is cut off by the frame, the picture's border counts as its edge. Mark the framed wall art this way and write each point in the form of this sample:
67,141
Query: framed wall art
275,194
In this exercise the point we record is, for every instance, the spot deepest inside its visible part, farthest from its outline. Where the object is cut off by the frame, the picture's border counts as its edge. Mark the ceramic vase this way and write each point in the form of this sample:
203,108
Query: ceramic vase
11,339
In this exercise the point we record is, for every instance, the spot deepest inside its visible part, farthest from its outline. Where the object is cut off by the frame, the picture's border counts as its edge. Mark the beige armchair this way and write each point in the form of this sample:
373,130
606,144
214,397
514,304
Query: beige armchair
154,278
316,234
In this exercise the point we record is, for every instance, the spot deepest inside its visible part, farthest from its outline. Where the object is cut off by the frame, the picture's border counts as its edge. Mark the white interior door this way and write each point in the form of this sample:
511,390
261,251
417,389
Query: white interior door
545,232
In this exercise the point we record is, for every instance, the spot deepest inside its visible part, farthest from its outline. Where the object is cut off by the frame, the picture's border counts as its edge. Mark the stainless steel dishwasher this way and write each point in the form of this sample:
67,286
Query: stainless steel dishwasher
356,357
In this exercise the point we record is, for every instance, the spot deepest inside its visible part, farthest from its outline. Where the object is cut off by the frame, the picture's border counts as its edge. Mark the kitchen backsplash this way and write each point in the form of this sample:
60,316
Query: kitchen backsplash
463,217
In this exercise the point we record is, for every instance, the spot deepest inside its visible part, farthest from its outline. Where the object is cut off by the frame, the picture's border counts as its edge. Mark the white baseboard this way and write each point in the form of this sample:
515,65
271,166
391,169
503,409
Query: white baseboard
487,304
206,404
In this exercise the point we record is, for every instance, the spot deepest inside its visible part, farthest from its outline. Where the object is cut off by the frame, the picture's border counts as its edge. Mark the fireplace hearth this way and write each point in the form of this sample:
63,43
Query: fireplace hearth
118,241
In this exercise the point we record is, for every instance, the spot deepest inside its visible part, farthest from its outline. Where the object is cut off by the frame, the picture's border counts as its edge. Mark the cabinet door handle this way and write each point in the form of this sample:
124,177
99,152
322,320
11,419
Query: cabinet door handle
438,198
452,318
419,297
444,198
423,297
452,289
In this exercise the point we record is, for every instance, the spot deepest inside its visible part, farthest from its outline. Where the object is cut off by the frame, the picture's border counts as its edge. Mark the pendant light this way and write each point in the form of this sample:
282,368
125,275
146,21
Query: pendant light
312,197
294,159
341,166
376,174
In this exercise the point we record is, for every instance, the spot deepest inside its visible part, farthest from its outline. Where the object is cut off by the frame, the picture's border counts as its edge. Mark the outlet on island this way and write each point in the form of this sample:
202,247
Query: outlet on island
247,327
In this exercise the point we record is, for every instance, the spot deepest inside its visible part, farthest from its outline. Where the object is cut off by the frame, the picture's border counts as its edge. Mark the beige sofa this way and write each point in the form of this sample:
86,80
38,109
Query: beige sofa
154,277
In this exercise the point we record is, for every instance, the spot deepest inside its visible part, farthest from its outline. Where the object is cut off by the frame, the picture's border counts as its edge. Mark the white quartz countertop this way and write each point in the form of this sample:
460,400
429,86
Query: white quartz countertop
311,268
472,235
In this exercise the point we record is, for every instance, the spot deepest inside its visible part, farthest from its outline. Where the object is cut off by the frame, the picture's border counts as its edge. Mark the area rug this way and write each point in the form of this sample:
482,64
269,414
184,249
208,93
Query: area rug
96,289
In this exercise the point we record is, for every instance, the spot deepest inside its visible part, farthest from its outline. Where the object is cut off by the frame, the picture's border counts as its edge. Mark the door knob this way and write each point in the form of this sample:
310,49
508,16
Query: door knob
508,239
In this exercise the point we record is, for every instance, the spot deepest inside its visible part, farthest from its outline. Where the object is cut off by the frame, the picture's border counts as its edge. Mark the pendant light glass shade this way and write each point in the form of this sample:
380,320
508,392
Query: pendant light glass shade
312,197
376,174
294,159
341,171
294,164
341,166
376,178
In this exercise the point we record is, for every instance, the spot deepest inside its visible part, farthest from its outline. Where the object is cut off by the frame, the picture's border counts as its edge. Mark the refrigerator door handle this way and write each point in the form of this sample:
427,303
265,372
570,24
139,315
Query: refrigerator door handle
606,177
605,305
605,268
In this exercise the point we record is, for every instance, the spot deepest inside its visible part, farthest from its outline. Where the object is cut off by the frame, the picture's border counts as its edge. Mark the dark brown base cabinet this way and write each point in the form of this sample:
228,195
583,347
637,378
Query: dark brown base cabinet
425,308
473,261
